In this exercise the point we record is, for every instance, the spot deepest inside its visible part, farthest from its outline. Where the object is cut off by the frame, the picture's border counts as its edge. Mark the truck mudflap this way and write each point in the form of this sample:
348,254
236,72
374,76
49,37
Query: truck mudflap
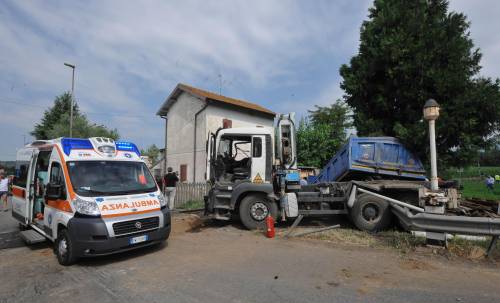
446,224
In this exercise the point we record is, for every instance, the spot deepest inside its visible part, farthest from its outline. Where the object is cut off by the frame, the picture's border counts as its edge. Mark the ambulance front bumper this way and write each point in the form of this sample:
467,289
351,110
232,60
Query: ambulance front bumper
90,236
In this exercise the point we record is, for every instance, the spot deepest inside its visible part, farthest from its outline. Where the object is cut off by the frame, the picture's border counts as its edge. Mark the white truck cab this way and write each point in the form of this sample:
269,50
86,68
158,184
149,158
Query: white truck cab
90,197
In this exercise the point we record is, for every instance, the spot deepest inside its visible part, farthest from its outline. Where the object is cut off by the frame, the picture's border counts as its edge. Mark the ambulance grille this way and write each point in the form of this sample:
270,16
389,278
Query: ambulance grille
130,227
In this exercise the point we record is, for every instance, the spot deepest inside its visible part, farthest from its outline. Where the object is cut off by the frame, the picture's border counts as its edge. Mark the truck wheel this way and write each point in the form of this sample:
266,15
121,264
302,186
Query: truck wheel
370,213
64,249
254,210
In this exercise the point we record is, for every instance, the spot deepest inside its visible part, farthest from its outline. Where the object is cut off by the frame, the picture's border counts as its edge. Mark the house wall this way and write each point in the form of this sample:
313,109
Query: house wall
240,118
180,131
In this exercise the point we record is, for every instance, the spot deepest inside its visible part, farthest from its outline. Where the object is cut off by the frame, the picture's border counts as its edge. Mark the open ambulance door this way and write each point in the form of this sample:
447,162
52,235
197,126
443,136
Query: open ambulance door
23,188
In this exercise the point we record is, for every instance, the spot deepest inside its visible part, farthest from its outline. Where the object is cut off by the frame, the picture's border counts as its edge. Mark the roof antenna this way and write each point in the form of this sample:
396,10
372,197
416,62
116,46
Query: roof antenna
220,83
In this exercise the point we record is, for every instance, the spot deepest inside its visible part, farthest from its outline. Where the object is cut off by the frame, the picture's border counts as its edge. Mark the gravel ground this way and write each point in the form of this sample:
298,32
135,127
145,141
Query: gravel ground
219,262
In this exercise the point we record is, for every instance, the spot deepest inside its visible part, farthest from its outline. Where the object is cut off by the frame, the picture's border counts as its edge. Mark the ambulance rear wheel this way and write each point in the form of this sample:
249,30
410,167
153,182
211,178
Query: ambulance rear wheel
254,210
64,249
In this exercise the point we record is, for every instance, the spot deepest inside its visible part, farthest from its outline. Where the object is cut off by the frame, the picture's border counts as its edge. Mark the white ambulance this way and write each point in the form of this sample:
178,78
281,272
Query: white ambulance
91,197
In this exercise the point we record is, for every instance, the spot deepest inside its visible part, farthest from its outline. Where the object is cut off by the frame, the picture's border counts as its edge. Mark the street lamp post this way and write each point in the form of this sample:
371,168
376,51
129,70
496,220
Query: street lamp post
431,113
72,99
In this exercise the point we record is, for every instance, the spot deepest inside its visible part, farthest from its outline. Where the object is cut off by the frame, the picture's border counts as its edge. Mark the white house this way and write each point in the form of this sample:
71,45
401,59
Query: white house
190,114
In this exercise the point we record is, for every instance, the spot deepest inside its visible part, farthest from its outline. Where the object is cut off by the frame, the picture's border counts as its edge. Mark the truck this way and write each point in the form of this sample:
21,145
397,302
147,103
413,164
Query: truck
90,197
253,174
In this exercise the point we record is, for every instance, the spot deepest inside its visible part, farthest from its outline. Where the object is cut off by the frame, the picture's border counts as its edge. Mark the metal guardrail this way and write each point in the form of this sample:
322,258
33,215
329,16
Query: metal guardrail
447,224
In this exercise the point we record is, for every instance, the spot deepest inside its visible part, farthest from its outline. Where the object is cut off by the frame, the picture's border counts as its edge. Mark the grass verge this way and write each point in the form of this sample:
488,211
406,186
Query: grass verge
192,204
477,189
471,172
405,243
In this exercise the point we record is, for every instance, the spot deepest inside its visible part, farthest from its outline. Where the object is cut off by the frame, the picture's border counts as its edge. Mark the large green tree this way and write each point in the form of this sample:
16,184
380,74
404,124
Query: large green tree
82,128
411,51
322,133
55,122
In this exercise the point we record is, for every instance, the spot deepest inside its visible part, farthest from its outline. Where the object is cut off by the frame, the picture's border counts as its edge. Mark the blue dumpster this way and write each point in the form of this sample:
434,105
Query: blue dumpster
364,158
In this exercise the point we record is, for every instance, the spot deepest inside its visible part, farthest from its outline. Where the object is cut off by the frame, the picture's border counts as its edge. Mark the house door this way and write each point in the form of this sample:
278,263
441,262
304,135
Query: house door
183,177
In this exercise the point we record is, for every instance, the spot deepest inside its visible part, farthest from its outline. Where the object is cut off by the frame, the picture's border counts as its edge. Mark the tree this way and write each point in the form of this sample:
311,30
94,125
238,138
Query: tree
62,105
55,122
411,51
322,134
82,128
152,152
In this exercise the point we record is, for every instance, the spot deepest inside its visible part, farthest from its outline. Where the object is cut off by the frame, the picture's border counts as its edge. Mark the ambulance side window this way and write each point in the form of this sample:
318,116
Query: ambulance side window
21,173
57,175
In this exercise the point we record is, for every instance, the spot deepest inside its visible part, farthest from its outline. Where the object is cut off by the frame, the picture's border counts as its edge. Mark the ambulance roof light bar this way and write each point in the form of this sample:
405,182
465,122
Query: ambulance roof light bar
69,144
127,146
72,143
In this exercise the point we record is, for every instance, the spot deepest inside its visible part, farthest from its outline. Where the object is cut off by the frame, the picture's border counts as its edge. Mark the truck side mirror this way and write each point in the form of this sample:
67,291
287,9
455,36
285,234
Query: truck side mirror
54,191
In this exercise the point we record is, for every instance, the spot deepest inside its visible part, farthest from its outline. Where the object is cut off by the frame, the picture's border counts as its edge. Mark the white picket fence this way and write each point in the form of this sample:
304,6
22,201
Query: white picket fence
190,192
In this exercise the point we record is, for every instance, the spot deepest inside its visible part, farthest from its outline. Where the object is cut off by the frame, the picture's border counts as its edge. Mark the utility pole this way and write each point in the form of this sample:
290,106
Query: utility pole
220,84
72,99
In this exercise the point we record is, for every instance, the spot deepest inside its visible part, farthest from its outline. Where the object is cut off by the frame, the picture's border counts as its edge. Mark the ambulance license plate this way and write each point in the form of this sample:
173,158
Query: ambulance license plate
139,239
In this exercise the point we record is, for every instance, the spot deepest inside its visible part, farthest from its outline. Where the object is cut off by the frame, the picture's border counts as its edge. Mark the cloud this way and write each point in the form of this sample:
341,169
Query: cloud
130,54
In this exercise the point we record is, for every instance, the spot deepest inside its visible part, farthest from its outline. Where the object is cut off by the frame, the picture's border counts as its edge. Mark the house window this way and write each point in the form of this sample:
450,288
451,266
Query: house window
226,123
183,177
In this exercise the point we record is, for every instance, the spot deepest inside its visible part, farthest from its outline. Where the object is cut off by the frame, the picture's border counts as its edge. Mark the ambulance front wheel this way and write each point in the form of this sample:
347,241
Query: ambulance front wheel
64,249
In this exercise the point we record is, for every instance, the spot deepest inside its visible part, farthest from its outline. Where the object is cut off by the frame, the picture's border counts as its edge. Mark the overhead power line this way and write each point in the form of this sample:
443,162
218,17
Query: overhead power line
86,112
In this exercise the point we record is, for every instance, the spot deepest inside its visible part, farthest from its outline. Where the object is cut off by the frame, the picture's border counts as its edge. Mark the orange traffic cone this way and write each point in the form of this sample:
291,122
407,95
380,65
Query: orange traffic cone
270,226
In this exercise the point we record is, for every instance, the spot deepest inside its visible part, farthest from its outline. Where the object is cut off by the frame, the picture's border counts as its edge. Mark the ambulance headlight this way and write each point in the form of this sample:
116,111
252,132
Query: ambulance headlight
162,200
84,207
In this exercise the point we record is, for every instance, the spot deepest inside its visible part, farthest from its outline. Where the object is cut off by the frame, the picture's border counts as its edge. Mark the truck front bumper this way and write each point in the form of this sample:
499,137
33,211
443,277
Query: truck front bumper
90,237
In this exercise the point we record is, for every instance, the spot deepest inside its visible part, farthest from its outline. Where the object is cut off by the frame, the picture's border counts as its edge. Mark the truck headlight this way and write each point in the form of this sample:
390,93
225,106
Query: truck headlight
162,200
84,207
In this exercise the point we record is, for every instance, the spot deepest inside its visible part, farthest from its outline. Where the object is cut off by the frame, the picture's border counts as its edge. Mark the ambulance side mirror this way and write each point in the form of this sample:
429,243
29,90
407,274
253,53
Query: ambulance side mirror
54,191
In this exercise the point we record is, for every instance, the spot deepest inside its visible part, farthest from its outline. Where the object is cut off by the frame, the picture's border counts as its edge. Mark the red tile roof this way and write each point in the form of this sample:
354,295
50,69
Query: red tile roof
212,97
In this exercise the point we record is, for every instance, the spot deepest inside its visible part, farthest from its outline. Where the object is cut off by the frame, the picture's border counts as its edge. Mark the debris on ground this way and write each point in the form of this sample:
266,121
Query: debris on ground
478,208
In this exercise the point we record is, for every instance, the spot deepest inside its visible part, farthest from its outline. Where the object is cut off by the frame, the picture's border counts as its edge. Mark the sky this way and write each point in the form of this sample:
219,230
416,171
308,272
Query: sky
129,55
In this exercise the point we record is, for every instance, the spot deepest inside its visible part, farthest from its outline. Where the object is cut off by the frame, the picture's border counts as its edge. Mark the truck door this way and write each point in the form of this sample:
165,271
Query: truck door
210,152
258,174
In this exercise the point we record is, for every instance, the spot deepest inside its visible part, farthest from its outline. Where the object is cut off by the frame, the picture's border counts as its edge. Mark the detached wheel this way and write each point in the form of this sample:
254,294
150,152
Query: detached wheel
63,247
370,213
254,210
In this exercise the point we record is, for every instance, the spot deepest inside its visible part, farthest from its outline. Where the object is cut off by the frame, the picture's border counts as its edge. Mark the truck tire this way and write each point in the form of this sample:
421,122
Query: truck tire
64,249
254,210
370,213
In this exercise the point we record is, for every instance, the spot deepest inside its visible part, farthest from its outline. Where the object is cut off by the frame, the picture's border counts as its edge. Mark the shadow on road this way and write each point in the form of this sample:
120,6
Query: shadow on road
122,257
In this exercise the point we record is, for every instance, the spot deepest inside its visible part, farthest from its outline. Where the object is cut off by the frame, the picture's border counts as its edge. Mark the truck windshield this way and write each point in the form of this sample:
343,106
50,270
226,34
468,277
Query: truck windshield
107,178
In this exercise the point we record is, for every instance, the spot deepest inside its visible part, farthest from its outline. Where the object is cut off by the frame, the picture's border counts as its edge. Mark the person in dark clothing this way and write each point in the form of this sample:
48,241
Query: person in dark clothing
170,180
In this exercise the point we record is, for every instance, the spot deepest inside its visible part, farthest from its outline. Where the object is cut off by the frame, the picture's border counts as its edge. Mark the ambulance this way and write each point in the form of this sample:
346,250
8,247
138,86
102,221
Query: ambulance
91,197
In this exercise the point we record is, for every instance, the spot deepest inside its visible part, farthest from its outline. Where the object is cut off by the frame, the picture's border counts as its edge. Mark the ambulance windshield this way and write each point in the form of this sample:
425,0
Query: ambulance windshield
107,178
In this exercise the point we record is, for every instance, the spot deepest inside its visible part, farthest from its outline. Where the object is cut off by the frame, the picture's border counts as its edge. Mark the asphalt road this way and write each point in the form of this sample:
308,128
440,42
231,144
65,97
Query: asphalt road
222,263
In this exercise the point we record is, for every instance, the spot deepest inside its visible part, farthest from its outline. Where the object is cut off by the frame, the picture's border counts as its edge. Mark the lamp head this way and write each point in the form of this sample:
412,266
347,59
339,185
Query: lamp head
431,110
